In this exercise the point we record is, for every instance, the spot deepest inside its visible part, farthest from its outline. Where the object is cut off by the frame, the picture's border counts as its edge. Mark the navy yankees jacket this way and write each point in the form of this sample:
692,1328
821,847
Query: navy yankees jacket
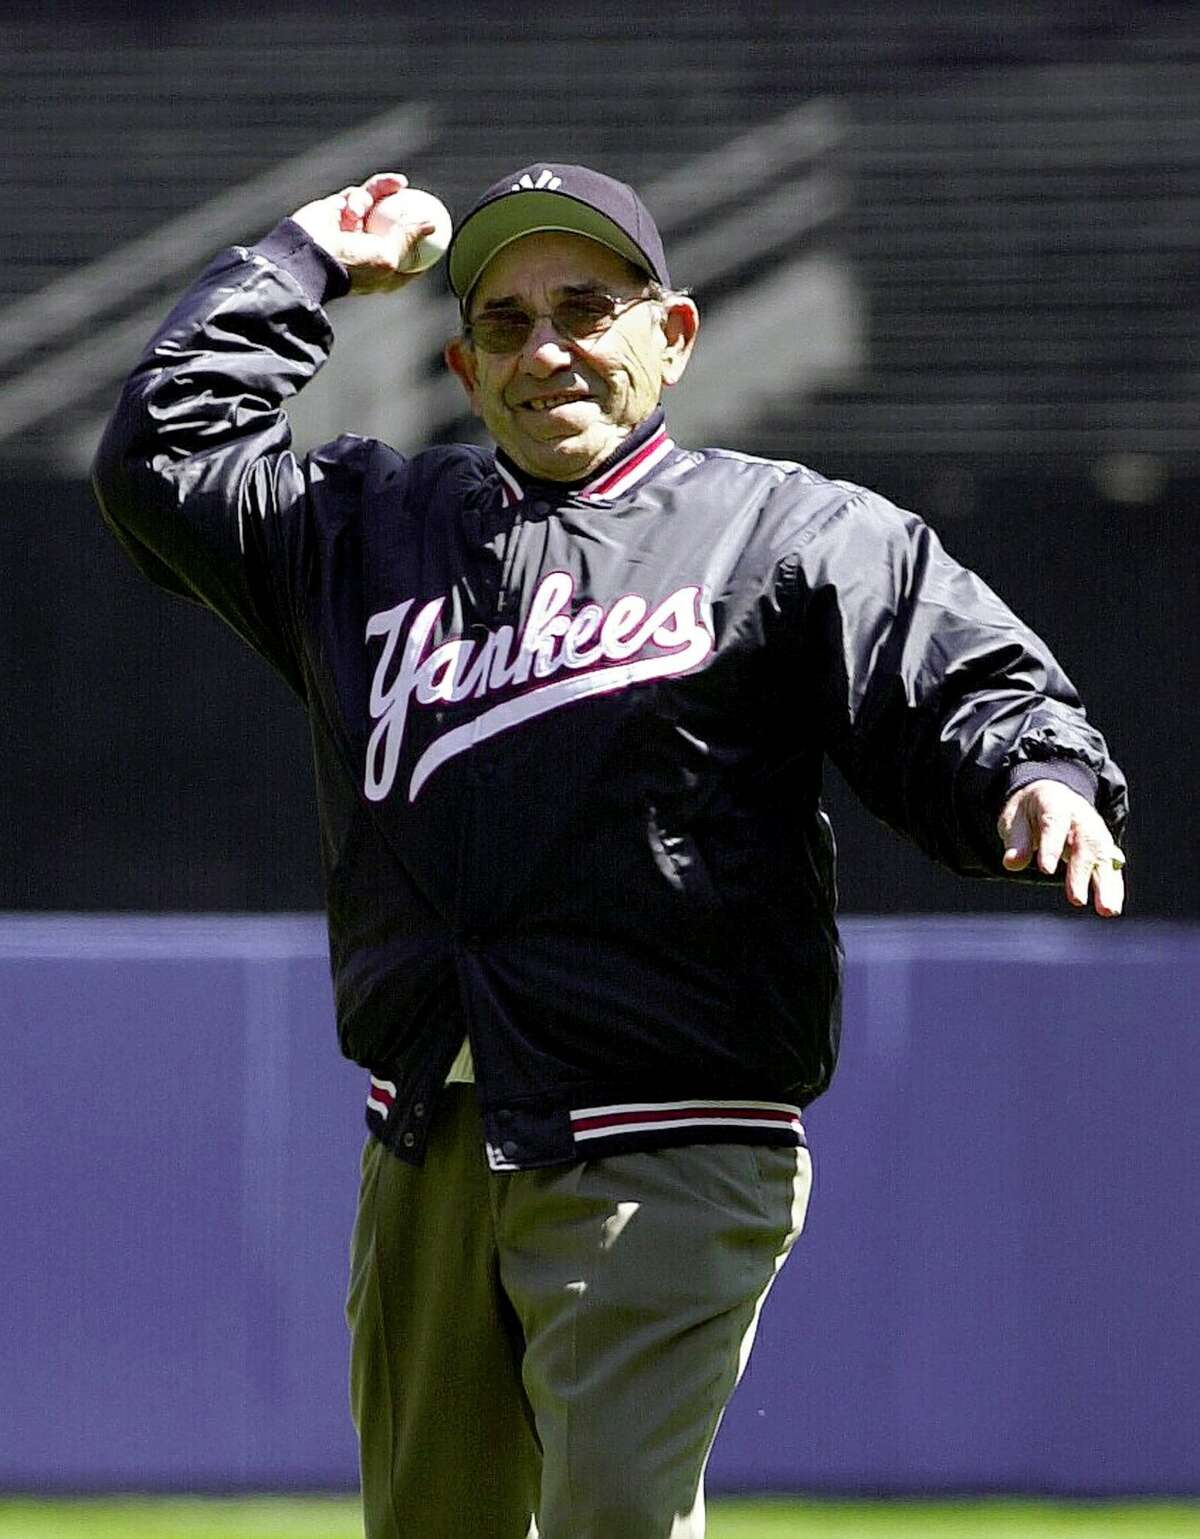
569,738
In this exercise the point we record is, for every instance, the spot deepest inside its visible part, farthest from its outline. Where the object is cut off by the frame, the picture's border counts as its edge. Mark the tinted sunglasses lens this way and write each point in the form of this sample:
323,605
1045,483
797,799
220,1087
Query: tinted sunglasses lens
584,316
508,332
502,333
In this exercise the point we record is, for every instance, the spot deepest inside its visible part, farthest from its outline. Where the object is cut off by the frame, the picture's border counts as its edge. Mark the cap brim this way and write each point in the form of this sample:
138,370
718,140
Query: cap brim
506,219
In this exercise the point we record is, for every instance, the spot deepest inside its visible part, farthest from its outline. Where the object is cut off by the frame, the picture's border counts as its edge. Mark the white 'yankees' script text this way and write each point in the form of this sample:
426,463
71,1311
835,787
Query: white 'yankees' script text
596,648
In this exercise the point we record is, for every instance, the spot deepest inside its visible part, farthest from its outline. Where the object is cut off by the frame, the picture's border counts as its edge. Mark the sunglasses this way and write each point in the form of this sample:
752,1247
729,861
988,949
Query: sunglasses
506,329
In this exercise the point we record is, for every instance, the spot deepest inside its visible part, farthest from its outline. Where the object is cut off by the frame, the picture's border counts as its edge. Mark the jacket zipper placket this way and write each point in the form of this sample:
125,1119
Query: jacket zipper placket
475,809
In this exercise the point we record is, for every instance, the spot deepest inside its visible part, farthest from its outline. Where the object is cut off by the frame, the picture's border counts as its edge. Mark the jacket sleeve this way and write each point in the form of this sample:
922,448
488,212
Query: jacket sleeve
194,473
936,701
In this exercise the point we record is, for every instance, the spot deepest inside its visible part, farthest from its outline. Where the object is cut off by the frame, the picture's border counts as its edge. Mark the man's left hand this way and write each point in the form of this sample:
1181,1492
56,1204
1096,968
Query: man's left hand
1047,821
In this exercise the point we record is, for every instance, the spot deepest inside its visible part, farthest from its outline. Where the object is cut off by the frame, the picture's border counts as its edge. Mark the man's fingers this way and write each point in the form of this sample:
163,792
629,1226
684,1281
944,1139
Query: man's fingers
1013,828
1051,833
1083,859
384,183
1018,846
1108,890
1091,871
411,237
357,204
361,200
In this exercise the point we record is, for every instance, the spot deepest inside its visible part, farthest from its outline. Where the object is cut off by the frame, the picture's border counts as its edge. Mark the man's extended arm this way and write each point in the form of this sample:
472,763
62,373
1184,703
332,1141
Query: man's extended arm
949,716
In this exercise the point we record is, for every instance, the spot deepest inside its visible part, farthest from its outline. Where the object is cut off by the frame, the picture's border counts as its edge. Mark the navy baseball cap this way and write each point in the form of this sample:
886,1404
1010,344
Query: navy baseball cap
573,199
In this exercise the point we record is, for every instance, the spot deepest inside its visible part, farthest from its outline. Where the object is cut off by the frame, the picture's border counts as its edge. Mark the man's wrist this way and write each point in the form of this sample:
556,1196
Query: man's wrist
291,247
1070,772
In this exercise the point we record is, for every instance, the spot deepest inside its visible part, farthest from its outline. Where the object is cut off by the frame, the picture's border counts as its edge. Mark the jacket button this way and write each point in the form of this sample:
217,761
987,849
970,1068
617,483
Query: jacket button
409,1140
419,1109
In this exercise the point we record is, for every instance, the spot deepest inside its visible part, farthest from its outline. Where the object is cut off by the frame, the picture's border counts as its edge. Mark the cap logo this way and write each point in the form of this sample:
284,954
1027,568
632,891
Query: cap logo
546,179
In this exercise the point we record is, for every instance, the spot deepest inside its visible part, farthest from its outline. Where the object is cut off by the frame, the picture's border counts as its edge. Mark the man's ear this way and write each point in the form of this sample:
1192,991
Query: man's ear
680,323
459,356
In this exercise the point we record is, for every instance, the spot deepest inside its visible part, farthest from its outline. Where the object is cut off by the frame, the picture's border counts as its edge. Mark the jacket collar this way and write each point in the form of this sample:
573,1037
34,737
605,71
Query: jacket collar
646,447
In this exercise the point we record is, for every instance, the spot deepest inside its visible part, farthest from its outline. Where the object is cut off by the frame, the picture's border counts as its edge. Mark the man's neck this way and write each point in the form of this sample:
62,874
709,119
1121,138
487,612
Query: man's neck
603,473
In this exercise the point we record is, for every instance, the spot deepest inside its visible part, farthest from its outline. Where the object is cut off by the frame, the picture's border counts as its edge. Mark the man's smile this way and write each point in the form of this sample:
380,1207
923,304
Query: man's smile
548,402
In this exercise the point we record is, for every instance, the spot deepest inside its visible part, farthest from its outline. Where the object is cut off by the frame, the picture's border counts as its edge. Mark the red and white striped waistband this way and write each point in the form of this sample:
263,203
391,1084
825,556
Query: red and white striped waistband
642,1124
382,1096
593,1122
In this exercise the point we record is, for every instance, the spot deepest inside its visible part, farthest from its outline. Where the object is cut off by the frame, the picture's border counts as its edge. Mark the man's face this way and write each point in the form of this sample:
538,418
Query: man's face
560,406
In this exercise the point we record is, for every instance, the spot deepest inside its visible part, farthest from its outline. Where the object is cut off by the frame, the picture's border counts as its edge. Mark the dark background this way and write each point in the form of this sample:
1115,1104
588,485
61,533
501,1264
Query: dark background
1022,185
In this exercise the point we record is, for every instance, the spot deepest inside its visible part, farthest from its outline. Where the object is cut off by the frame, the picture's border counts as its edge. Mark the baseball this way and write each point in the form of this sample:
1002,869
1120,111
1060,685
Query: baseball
412,206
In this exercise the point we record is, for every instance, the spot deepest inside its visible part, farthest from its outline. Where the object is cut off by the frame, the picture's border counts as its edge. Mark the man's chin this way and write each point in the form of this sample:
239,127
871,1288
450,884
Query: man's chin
558,459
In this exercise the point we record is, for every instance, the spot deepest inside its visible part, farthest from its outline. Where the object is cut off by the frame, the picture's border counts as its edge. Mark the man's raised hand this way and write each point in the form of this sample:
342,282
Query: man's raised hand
376,263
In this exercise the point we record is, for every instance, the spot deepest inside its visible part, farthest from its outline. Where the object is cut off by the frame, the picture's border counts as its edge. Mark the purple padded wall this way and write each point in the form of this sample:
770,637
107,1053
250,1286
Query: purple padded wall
997,1288
181,1139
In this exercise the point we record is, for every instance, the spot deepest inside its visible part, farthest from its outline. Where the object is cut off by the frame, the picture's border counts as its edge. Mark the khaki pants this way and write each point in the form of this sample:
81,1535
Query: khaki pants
549,1352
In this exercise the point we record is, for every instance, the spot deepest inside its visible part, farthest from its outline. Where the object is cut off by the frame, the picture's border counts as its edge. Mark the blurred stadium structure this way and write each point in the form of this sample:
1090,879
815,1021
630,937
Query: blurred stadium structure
948,251
738,219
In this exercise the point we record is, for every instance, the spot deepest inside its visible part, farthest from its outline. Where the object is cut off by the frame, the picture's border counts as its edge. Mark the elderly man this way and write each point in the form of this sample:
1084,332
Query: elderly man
569,705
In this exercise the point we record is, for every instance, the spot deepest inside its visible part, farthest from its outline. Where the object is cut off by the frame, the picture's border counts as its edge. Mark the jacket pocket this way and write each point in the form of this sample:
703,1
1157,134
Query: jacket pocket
680,861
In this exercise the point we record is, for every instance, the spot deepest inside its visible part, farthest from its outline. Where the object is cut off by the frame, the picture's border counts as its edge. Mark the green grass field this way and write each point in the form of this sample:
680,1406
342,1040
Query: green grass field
334,1518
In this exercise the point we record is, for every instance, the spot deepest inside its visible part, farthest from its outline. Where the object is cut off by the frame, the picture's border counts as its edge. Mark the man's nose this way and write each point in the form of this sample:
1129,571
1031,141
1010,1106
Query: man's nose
545,352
